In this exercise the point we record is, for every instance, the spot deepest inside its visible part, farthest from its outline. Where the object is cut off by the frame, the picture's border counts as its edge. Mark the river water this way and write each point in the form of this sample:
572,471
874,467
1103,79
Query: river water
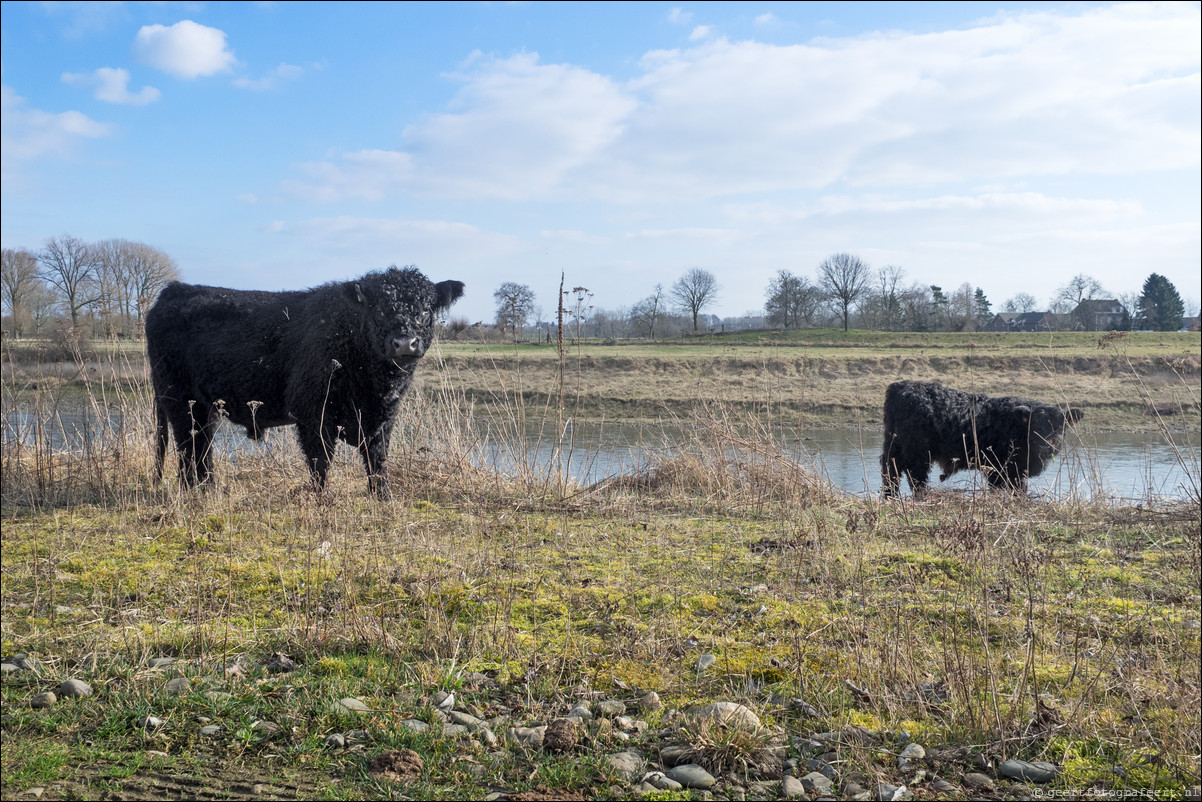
1118,466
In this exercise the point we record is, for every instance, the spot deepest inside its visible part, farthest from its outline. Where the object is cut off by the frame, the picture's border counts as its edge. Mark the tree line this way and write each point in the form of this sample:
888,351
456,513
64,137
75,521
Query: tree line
98,289
847,292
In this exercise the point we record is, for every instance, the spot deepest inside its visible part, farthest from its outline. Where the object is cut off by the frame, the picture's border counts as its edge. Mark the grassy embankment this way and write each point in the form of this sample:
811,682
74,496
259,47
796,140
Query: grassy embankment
1139,381
985,627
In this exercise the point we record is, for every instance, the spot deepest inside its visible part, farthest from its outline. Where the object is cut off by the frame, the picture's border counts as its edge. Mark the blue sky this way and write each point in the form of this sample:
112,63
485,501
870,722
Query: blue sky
281,145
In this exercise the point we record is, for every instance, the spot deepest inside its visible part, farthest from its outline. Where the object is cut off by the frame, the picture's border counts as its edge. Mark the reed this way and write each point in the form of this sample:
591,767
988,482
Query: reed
986,626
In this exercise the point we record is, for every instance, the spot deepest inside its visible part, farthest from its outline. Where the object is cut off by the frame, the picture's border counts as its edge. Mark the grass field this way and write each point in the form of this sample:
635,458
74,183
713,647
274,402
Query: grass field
985,628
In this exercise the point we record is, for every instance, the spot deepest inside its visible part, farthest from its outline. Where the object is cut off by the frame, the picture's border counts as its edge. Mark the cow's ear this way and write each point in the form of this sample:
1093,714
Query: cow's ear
447,293
354,292
1074,415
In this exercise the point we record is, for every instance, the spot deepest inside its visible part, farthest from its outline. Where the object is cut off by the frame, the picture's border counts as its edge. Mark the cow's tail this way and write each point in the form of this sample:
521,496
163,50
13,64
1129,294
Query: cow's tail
160,439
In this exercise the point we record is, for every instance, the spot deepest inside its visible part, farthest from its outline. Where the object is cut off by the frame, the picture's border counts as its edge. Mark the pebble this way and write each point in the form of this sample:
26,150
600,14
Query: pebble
265,728
791,787
691,775
74,687
335,740
728,714
45,699
24,662
210,730
415,725
348,706
650,701
151,722
821,767
913,752
179,685
670,755
628,764
944,787
611,708
528,736
443,701
853,790
662,782
282,664
977,780
1024,771
580,713
160,662
7,669
892,793
466,719
817,783
454,730
705,661
805,708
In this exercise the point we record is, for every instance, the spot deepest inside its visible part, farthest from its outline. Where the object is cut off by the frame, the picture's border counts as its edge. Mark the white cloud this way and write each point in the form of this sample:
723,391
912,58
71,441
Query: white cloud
185,49
699,33
678,16
284,72
1108,91
112,86
515,130
767,20
31,133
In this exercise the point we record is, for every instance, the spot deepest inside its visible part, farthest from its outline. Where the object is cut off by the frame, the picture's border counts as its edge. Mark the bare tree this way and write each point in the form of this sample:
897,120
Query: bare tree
18,281
1079,288
882,308
844,278
515,302
1021,302
150,270
694,291
113,285
645,315
69,265
962,309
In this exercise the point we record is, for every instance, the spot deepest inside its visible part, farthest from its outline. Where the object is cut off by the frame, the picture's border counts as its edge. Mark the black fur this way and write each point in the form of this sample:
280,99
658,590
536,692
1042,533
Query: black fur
1006,438
334,360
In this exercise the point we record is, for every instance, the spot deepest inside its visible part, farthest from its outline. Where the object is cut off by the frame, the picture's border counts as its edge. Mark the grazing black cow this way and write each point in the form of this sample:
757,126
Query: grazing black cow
334,360
1006,438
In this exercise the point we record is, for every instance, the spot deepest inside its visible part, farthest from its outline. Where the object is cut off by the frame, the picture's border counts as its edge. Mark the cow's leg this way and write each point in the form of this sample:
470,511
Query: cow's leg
318,447
374,450
916,472
890,475
1008,477
193,440
161,434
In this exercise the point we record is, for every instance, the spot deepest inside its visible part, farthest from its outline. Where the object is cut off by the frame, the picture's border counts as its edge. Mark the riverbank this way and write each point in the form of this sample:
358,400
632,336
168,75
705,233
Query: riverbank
258,641
1134,382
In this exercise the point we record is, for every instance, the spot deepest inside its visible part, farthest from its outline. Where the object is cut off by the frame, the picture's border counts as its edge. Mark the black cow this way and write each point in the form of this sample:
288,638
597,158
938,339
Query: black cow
334,360
1006,438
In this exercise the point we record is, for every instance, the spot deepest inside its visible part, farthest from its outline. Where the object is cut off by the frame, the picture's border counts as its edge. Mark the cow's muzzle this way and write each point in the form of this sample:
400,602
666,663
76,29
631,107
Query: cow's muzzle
406,346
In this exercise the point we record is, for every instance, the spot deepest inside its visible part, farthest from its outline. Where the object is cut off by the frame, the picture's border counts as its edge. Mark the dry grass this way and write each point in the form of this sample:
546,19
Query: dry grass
983,623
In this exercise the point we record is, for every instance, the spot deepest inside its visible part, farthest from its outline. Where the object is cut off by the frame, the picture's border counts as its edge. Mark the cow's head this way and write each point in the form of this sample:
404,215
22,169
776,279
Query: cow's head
1045,426
399,308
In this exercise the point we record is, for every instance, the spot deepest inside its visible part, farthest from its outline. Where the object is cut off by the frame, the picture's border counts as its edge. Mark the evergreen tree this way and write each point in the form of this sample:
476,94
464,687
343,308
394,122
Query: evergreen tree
1159,307
983,307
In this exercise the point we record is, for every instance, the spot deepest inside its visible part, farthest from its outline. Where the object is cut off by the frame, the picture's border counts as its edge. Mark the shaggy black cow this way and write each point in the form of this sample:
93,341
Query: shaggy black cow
334,360
1007,438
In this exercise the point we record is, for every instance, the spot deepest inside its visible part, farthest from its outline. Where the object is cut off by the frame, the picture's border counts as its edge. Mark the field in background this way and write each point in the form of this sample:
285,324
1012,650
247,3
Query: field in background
984,627
1140,381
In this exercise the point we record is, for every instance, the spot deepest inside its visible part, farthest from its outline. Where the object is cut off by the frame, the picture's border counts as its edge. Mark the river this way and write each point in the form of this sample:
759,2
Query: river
1117,466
